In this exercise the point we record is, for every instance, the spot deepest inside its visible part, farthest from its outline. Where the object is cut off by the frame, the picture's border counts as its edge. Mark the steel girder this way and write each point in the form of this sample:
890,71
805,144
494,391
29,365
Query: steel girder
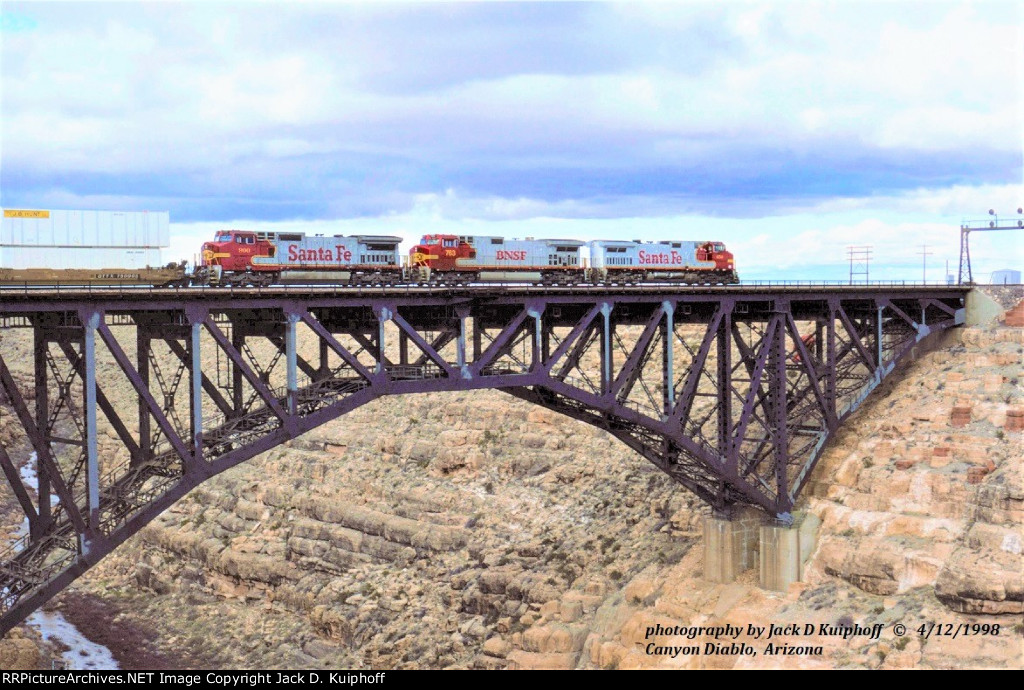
731,393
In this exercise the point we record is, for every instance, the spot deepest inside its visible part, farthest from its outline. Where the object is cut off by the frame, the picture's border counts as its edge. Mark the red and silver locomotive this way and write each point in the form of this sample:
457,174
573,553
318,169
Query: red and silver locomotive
685,261
474,259
243,257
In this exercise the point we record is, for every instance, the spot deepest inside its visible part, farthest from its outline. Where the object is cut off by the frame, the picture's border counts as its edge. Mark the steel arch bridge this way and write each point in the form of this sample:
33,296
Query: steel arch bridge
731,391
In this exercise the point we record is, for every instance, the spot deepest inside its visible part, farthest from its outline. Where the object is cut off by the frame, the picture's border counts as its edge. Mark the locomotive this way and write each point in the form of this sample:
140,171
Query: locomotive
243,257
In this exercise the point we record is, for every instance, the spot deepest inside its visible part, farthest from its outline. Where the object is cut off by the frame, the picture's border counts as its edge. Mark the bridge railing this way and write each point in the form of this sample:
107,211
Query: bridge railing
118,289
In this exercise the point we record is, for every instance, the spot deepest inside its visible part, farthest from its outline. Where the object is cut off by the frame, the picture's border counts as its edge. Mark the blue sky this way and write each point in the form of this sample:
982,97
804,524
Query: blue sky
789,130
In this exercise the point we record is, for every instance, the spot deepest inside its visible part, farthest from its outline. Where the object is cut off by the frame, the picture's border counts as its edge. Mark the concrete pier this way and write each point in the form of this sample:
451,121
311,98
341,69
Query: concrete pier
730,546
734,544
785,549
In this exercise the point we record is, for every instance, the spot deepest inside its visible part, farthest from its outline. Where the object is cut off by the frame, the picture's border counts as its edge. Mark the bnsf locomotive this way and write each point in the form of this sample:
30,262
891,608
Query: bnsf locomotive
241,257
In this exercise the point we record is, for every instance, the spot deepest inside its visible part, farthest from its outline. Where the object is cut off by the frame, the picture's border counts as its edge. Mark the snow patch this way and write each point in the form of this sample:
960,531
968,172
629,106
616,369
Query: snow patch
82,654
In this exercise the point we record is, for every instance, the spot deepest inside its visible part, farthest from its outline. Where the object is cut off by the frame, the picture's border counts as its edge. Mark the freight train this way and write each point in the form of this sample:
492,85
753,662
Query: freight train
244,257
72,248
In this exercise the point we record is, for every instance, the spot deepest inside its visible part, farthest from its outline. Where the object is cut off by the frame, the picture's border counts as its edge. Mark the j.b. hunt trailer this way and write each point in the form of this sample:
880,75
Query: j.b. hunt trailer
66,247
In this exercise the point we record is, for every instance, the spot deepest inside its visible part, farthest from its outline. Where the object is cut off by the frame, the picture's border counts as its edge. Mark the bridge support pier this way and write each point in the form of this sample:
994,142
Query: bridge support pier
736,543
784,550
730,545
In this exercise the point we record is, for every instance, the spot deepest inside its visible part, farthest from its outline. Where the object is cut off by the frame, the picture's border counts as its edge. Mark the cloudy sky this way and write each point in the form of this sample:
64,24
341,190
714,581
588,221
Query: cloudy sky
790,130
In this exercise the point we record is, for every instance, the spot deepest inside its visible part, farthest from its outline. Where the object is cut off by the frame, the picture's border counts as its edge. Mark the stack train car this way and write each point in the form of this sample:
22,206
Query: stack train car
42,248
95,248
244,257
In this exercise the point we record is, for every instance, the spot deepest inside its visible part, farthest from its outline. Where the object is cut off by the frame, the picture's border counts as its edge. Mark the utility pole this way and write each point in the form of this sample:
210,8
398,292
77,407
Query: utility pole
924,262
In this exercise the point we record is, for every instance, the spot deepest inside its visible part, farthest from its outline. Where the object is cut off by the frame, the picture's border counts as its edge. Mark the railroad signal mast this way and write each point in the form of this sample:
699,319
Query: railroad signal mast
969,226
860,262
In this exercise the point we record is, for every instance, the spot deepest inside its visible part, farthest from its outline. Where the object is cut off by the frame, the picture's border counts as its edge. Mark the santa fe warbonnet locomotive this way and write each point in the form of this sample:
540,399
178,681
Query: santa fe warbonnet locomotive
243,257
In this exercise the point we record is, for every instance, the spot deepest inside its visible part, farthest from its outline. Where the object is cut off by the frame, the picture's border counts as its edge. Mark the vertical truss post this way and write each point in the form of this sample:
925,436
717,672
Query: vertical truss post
779,397
403,348
878,339
90,322
819,337
831,382
668,376
606,348
545,341
478,339
42,416
196,385
324,369
383,316
142,354
460,342
237,396
536,311
291,359
724,381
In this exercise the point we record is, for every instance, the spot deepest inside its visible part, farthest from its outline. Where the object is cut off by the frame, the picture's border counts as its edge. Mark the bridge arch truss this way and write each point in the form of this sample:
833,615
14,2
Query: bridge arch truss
123,401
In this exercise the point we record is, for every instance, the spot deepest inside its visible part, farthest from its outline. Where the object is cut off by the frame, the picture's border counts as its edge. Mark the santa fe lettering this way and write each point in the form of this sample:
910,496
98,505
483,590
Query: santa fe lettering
663,258
319,254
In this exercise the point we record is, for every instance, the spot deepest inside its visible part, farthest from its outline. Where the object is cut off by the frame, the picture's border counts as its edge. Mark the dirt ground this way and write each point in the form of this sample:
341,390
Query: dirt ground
131,644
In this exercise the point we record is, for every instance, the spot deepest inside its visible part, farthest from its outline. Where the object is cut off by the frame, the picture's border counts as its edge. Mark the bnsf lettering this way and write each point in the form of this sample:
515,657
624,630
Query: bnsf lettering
511,255
320,254
661,258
